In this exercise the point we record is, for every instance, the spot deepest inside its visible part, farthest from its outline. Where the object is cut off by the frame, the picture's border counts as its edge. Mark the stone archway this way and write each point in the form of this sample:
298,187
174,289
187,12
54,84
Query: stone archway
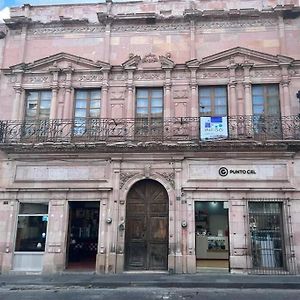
147,226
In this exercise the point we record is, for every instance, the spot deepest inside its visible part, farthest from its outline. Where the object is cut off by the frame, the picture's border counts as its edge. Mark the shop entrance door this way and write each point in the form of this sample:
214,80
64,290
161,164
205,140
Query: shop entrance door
83,235
147,224
212,243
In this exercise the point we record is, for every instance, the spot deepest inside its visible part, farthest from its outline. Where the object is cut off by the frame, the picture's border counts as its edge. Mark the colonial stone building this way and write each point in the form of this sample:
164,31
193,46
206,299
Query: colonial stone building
151,135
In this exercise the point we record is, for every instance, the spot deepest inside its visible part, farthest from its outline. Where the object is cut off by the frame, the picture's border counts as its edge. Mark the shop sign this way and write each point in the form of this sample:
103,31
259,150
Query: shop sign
223,171
213,128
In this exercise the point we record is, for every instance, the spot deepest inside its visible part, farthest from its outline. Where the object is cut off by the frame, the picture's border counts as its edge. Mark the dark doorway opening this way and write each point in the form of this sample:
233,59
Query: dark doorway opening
147,227
83,235
212,236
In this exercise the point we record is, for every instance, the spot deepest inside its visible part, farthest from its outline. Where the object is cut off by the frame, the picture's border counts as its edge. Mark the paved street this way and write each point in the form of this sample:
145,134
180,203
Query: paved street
147,294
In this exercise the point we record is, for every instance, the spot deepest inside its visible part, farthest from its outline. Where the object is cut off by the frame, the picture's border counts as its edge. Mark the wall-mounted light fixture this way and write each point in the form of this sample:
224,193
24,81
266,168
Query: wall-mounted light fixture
108,220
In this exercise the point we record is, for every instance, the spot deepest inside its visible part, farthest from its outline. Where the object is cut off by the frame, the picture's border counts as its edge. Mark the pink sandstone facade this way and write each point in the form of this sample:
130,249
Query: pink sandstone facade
104,109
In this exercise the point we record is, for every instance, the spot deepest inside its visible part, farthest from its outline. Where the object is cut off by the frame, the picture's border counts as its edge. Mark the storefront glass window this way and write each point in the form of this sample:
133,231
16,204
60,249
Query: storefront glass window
32,227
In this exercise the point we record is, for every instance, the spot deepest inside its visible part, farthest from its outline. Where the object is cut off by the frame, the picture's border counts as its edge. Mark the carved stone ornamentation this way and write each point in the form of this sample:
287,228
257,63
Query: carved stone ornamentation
56,30
212,74
125,176
149,76
88,77
169,176
150,58
37,79
265,73
118,76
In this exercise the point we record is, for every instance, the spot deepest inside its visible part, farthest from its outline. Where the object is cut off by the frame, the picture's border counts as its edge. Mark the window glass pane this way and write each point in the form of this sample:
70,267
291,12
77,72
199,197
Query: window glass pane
81,94
45,104
273,110
156,110
95,113
258,99
80,113
95,94
81,103
220,101
32,95
33,208
31,233
143,111
220,91
204,92
95,104
206,110
273,90
258,110
257,90
156,102
142,93
157,93
142,102
205,102
46,95
220,110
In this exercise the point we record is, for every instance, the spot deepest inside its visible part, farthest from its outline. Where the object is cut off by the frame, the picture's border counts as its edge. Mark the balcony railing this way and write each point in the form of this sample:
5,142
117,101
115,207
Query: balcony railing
256,128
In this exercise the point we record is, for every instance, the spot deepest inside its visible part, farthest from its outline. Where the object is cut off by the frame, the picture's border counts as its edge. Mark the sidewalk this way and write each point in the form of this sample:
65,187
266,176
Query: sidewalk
159,280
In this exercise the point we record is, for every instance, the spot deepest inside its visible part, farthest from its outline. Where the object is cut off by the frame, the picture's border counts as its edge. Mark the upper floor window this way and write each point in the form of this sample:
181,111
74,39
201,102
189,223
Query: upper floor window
149,112
266,111
38,105
149,103
213,101
87,103
87,111
265,99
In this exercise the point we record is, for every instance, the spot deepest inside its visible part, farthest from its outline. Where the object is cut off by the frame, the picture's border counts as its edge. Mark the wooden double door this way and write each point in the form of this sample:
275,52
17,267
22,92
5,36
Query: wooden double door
147,227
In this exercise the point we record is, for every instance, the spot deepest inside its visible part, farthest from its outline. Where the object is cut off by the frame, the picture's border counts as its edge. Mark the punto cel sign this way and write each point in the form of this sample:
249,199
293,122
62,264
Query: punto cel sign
224,171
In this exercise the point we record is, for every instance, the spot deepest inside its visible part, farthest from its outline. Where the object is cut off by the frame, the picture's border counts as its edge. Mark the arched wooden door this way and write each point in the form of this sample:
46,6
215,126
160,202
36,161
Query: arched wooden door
147,227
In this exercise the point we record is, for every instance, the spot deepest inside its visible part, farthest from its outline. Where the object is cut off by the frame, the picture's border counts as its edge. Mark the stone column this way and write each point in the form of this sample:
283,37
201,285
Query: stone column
178,219
130,101
53,108
285,87
104,96
68,107
18,104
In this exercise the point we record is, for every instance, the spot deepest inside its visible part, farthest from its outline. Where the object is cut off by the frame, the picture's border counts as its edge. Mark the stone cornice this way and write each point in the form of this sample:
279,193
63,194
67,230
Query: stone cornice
143,22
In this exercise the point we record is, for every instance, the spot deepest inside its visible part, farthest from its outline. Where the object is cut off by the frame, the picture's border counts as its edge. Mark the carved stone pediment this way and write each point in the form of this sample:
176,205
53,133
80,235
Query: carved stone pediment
243,56
61,61
166,62
132,62
194,63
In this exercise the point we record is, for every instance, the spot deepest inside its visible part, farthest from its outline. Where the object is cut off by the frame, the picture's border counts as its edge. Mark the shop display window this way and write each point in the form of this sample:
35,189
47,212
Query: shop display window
32,227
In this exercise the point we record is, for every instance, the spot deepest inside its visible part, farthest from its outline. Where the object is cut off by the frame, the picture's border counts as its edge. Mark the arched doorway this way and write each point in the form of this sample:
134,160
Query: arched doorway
147,227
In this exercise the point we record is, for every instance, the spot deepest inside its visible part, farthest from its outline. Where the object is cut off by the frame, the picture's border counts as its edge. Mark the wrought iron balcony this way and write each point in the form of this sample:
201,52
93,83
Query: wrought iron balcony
256,128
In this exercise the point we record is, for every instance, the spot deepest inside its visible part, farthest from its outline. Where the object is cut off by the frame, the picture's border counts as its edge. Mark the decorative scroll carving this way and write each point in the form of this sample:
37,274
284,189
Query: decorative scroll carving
125,176
265,73
180,94
149,76
37,79
212,74
88,77
150,58
169,176
52,30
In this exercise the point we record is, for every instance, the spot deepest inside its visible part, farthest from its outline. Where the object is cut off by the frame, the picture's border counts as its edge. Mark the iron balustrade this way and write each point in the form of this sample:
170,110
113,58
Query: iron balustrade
257,128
